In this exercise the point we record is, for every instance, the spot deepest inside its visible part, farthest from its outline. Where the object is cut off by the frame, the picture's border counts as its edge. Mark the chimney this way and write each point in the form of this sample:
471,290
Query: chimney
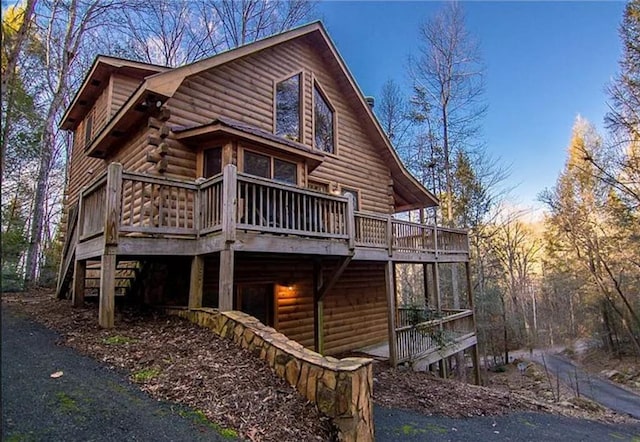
371,101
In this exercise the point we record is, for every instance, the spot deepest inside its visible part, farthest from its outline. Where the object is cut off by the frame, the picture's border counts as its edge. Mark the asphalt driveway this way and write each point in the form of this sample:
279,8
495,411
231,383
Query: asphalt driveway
89,402
398,425
594,387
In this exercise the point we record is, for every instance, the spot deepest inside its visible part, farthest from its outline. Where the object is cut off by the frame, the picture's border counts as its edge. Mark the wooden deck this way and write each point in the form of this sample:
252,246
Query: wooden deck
147,215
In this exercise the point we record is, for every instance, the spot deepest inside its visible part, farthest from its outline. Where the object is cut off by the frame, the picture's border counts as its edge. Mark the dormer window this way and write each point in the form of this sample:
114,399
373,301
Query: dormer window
323,122
288,108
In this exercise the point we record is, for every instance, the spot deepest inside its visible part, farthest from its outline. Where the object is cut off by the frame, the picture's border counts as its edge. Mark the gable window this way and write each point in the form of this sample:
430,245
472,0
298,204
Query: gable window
88,127
324,138
212,162
269,167
288,108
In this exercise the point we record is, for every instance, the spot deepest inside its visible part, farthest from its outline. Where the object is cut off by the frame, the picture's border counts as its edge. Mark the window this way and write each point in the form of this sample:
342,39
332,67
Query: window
88,127
318,186
288,108
212,162
323,123
256,164
285,171
354,194
269,167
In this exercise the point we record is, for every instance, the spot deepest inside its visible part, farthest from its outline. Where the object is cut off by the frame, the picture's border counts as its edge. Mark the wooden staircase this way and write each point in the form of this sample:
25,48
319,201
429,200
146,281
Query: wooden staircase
127,274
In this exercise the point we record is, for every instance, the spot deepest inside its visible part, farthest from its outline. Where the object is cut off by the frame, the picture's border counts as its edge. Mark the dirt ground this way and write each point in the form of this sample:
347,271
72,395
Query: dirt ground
174,360
177,361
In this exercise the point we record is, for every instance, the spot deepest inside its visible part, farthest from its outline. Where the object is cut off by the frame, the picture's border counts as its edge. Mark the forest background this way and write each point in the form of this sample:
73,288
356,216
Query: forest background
576,274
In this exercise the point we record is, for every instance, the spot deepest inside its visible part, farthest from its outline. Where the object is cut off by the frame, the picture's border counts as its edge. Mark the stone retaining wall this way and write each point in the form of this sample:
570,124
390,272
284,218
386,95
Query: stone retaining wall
341,388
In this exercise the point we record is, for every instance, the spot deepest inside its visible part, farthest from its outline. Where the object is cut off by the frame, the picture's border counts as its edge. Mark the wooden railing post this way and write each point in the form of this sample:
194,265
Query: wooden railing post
351,222
113,203
390,235
80,225
229,202
197,209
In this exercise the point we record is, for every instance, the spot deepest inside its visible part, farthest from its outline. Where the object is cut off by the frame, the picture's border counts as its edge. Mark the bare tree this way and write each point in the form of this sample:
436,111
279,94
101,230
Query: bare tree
62,26
176,32
244,21
449,84
13,42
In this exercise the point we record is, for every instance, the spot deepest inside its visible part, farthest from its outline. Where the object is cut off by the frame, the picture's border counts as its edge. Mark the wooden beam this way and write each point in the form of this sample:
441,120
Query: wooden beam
107,289
196,282
351,223
229,202
225,287
475,357
318,308
79,273
324,289
113,204
390,284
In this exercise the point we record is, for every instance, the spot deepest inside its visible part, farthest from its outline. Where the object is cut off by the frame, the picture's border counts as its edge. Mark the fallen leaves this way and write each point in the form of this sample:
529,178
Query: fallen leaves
174,360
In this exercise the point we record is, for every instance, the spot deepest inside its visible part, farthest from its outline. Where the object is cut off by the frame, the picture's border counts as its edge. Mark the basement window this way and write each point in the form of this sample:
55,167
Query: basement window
288,108
323,122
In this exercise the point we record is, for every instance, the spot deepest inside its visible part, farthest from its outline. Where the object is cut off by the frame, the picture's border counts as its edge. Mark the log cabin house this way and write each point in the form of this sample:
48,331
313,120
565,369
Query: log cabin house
258,180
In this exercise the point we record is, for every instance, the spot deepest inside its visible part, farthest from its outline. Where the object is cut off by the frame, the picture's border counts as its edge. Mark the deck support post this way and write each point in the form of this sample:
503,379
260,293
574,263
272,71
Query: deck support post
474,355
225,287
436,286
107,288
390,283
113,204
79,275
318,308
195,282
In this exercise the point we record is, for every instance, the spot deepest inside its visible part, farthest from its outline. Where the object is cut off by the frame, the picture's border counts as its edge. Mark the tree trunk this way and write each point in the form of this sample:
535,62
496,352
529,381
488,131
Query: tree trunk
35,235
10,70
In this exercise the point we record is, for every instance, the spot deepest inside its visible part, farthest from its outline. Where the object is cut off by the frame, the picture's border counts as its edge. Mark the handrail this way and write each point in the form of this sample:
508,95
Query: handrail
438,321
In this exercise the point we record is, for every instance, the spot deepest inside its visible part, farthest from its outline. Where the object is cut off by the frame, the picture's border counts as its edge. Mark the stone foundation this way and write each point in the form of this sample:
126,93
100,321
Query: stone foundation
341,388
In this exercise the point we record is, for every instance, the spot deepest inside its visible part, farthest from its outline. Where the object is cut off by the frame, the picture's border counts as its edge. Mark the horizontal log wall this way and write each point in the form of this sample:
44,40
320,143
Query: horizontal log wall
354,310
122,88
243,90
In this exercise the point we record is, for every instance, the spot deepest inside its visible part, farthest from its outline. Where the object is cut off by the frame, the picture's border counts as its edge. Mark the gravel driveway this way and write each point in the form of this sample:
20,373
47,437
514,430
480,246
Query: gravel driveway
89,402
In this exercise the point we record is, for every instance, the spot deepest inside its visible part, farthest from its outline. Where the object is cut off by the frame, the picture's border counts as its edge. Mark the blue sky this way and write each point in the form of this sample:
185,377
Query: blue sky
546,63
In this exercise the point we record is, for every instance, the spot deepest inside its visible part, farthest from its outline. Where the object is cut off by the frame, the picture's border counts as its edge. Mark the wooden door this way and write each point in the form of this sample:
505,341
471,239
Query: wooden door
257,300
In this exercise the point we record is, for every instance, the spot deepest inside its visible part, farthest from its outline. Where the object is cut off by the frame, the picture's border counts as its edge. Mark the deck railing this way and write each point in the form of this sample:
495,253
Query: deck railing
92,209
153,205
149,205
416,340
267,206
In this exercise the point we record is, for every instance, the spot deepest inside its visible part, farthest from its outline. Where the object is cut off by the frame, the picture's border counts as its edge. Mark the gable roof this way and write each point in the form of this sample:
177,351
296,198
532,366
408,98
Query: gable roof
101,69
408,192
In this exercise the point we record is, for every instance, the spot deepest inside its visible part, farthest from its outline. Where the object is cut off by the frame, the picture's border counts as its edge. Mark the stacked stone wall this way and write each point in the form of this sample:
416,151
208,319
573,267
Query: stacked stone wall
341,388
